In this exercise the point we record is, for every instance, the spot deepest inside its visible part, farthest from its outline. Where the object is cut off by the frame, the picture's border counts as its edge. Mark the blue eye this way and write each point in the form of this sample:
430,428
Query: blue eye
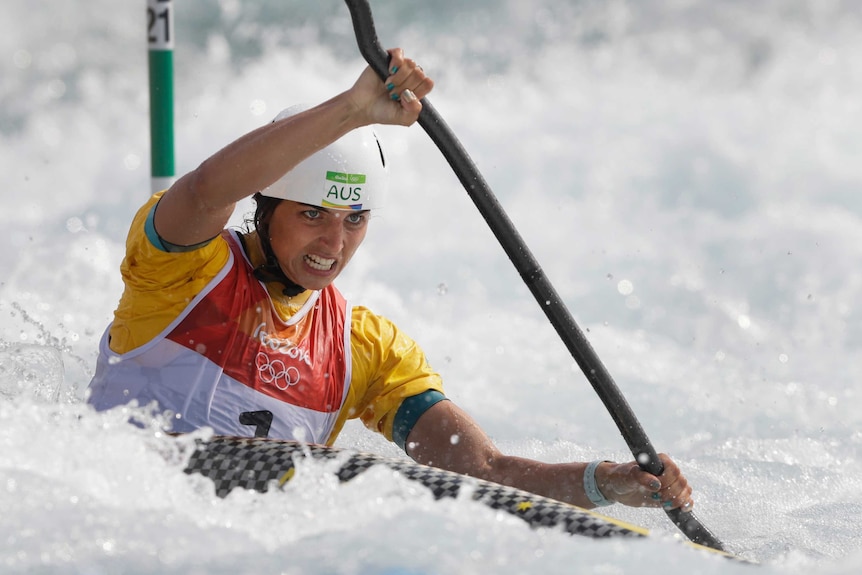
357,218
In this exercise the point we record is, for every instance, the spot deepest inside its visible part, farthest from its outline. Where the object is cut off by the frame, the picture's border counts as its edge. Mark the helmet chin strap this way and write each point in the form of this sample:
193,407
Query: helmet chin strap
270,271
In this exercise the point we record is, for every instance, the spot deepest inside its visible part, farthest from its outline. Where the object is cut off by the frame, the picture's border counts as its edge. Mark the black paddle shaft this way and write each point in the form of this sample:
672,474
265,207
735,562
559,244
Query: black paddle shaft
532,274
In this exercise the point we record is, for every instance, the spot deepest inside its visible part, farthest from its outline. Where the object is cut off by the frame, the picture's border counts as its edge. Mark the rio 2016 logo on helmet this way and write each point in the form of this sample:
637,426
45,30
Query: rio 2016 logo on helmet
349,174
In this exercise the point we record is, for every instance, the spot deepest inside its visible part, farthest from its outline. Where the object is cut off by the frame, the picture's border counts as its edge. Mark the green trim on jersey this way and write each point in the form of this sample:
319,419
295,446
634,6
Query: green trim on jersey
409,412
162,244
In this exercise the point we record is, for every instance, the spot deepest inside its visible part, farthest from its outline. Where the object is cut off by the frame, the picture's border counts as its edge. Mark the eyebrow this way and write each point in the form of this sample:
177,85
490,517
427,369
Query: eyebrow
312,206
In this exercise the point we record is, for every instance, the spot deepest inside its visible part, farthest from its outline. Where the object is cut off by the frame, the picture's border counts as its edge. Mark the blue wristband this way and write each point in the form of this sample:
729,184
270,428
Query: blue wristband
591,488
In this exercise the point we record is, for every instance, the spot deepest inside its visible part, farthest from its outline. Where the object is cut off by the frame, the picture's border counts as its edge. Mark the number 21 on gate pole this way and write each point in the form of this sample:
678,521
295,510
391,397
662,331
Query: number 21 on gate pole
160,41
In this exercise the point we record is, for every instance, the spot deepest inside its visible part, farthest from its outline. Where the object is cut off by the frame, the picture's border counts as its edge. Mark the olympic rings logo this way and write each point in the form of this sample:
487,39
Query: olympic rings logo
276,372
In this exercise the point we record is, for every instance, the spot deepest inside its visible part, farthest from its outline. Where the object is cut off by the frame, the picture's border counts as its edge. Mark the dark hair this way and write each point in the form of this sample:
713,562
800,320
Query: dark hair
269,271
265,205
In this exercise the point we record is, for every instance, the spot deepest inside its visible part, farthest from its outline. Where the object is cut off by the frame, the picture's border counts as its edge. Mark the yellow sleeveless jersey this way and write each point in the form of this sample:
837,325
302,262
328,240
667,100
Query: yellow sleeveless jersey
387,366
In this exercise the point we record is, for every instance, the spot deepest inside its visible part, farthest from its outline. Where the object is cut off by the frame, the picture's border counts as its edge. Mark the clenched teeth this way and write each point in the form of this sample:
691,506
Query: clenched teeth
319,263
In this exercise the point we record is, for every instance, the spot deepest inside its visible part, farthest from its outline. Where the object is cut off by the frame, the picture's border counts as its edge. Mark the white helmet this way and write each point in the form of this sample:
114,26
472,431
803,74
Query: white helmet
349,174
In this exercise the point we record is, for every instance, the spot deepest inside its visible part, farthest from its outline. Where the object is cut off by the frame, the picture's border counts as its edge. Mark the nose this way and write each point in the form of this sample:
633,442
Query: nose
332,235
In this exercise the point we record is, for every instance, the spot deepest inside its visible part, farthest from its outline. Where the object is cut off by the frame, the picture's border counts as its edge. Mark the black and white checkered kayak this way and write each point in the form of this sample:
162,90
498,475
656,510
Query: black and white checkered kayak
258,464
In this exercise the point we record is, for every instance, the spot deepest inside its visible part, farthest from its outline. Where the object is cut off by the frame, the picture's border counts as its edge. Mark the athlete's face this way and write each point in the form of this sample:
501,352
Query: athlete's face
314,244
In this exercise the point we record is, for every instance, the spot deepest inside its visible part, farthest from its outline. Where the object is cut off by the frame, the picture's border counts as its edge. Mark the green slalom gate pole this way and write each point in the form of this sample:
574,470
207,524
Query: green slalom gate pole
160,40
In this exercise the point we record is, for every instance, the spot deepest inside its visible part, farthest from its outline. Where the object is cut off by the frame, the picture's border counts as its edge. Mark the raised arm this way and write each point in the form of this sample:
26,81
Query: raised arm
446,437
197,207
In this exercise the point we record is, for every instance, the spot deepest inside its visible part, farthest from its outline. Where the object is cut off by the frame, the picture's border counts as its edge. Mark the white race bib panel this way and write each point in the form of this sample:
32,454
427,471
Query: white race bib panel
228,362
